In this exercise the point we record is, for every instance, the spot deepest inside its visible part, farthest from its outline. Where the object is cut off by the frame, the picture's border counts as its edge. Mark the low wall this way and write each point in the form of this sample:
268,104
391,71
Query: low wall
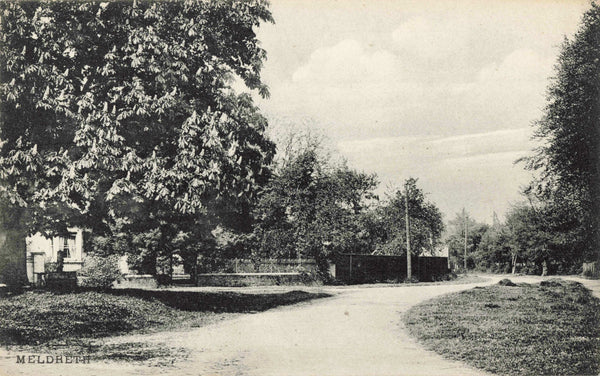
133,281
271,266
252,279
61,280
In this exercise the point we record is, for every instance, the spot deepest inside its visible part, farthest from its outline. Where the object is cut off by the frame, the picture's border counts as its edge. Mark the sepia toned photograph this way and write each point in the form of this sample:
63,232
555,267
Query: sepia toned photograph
299,187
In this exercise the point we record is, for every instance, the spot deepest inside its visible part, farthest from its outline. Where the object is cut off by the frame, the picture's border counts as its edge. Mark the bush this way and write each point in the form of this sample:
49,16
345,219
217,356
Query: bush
163,279
506,282
532,269
100,272
50,267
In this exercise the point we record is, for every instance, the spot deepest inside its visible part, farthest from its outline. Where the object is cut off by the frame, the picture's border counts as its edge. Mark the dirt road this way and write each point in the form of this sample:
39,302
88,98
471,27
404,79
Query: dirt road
356,332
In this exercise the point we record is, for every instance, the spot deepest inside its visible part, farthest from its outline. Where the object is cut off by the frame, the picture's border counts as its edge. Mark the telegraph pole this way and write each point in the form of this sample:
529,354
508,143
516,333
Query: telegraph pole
408,261
466,232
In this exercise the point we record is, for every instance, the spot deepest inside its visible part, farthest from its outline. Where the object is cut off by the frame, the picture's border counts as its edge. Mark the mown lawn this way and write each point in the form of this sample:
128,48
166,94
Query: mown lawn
41,320
552,328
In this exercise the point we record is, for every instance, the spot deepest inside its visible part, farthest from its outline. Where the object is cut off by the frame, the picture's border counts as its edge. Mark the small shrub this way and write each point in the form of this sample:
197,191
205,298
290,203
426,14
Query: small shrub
50,267
531,269
100,272
506,282
576,269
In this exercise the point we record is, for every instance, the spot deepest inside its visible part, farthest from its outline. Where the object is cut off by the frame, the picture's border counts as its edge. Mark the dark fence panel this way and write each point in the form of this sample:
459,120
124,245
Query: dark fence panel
359,268
432,268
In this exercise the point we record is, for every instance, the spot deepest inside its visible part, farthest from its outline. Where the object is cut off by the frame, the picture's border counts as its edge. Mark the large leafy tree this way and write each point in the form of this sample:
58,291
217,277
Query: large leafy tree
425,221
311,209
494,251
530,237
460,226
114,111
568,161
540,233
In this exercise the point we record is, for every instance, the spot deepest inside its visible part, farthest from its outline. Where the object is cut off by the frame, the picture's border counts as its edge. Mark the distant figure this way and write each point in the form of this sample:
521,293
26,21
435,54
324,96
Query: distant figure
60,260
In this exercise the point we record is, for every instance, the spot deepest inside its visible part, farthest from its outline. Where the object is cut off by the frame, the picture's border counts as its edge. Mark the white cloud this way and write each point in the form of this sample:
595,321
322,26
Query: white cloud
385,154
455,170
357,92
346,64
505,94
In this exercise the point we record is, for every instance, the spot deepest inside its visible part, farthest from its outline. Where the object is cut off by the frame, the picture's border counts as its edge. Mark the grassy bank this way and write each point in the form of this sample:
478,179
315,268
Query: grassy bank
47,320
552,328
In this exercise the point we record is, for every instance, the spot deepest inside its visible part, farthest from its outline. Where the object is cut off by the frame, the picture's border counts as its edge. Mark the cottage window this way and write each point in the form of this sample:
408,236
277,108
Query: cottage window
67,244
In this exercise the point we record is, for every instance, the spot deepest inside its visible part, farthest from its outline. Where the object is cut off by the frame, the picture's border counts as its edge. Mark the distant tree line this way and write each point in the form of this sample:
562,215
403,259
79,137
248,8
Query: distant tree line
520,244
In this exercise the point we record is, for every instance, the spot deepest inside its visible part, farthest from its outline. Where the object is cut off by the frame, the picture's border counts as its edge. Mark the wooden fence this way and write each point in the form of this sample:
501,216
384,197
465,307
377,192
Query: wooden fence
359,268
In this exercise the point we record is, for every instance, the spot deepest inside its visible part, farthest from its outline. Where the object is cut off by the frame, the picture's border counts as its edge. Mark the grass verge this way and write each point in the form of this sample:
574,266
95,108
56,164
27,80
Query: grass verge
552,328
60,322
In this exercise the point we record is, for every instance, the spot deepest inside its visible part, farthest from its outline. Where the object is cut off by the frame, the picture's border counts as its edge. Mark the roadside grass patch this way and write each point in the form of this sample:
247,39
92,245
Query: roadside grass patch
63,322
547,329
35,317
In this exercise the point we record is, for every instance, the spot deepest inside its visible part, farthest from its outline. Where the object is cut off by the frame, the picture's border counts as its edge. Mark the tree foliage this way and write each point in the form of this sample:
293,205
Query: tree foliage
105,99
535,238
568,161
494,251
455,239
425,222
121,117
311,209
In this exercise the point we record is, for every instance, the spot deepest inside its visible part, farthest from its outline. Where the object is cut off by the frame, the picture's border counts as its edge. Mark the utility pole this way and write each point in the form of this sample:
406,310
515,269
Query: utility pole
408,261
466,232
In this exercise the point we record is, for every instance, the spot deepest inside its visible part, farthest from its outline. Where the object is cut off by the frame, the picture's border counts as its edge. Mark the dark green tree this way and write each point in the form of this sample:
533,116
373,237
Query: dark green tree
425,222
568,162
455,239
530,237
494,251
542,236
112,106
311,209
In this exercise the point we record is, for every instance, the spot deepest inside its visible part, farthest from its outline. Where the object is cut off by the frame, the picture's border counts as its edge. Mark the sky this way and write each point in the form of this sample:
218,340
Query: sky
443,91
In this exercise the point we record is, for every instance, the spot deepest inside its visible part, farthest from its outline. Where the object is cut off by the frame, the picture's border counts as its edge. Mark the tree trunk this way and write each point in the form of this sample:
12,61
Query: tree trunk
13,258
514,264
544,268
